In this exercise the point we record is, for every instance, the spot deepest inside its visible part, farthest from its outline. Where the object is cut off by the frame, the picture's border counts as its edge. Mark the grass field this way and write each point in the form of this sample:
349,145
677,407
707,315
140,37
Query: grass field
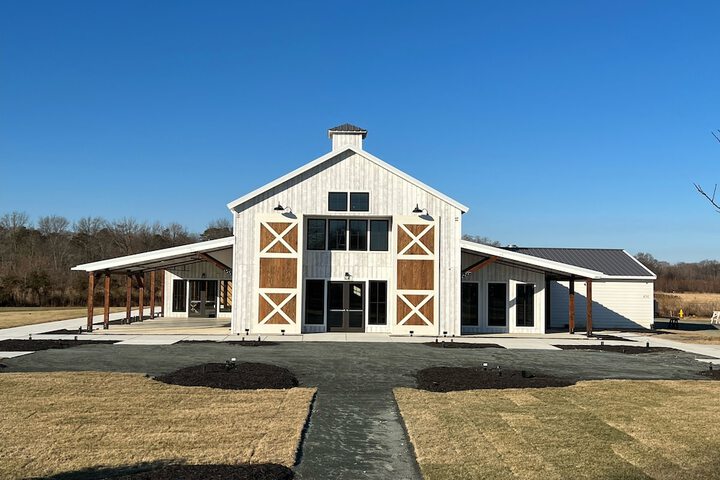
615,429
64,422
16,317
693,304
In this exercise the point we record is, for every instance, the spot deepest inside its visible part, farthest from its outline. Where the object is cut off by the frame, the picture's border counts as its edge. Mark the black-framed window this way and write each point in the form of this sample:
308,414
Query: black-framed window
377,315
379,230
179,300
497,304
314,302
525,305
359,202
315,234
338,201
358,235
337,234
226,295
469,311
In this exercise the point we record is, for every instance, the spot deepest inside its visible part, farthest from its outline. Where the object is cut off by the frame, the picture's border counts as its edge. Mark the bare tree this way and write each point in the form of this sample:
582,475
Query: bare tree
219,228
14,221
710,197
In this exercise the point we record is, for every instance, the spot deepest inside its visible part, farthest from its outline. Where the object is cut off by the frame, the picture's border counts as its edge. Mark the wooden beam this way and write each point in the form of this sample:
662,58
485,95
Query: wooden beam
571,305
213,260
162,293
141,296
480,265
90,299
589,308
128,299
106,305
152,294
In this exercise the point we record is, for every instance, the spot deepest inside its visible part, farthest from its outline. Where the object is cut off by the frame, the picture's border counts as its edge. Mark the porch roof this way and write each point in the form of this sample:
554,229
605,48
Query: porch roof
211,251
523,260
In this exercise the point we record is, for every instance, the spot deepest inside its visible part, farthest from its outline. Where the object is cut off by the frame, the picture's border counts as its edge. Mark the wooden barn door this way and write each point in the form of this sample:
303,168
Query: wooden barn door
416,274
278,288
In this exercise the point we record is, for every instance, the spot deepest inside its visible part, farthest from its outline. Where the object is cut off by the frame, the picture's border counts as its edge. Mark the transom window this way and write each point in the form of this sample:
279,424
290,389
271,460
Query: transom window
359,202
353,234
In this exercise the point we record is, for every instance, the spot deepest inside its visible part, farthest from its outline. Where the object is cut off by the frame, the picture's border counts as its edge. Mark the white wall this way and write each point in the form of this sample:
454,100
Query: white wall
616,304
390,195
511,276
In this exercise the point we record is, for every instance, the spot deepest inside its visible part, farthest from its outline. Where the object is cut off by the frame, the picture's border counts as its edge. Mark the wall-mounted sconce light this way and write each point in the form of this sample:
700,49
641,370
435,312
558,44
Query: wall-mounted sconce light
417,210
411,332
348,276
247,331
280,208
282,331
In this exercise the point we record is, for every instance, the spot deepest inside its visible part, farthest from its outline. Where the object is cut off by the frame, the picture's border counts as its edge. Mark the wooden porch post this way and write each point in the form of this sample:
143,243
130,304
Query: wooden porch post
90,298
571,305
152,294
162,293
141,295
128,299
589,307
106,310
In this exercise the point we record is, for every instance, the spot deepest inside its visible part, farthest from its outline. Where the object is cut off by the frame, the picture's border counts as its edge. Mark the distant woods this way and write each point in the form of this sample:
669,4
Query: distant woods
36,257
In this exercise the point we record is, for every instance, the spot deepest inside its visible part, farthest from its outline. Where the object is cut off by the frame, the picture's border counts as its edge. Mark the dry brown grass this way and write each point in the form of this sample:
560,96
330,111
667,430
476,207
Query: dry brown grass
16,317
706,337
61,422
693,304
599,429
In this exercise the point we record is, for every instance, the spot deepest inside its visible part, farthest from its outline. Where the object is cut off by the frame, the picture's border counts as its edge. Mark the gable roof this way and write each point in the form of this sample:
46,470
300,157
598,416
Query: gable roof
348,127
522,259
613,262
329,156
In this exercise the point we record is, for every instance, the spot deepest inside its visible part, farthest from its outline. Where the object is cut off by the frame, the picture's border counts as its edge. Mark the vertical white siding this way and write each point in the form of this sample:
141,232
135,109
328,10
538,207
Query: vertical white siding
390,196
616,304
193,271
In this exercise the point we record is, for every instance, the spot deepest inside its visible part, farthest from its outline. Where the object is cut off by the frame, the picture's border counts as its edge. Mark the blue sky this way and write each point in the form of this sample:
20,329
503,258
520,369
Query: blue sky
559,123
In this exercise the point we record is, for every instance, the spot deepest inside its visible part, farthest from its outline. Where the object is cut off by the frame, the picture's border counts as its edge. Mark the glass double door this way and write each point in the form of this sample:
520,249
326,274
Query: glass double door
203,298
346,307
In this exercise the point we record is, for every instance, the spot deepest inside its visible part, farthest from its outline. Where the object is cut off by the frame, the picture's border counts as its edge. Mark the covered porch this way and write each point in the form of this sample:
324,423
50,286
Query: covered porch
504,291
148,271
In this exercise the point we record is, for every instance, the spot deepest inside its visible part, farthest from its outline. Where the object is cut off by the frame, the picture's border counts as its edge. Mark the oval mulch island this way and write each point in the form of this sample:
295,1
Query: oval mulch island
443,344
627,349
450,379
267,471
242,376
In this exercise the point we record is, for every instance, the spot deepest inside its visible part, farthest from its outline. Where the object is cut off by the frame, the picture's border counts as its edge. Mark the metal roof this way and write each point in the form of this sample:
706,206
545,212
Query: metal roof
348,127
612,262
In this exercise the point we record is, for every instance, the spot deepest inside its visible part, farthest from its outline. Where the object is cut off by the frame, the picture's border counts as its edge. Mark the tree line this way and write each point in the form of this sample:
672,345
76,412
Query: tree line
702,277
36,257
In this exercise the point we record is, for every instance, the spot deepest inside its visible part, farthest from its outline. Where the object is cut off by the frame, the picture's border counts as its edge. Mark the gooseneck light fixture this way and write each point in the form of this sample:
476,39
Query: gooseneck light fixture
417,210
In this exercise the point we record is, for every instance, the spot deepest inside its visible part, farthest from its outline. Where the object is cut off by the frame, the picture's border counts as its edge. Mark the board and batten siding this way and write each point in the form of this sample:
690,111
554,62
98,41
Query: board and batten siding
193,271
511,276
616,304
307,195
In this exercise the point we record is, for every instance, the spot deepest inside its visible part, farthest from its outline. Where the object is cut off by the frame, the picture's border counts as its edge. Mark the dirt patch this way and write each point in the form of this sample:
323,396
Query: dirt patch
35,345
242,343
711,374
610,337
462,345
627,349
450,379
241,376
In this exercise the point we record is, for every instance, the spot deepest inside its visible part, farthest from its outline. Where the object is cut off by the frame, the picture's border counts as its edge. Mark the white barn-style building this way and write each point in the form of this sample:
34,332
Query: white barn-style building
350,243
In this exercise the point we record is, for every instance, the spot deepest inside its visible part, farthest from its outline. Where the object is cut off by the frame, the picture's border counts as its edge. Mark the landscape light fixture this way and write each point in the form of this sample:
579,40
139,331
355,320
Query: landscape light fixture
485,365
647,344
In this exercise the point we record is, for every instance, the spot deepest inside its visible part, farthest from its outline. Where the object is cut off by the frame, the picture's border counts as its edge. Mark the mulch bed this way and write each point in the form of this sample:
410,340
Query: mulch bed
450,379
609,337
711,374
442,344
242,376
268,471
628,349
242,343
35,345
261,471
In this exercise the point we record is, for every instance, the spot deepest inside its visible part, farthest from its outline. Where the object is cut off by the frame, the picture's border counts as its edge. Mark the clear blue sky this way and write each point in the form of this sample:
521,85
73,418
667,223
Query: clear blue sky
559,123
